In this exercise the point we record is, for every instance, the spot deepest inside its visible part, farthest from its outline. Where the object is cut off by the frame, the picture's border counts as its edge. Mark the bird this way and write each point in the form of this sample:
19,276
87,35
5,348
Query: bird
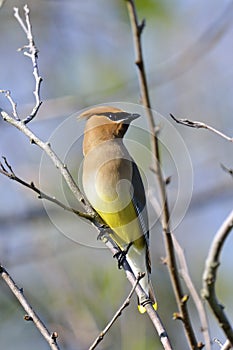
113,185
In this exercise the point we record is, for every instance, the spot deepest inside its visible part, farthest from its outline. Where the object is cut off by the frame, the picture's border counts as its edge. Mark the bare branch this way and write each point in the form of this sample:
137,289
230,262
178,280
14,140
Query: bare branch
200,125
227,170
51,338
162,333
30,51
210,276
7,94
46,147
137,29
8,171
117,314
192,290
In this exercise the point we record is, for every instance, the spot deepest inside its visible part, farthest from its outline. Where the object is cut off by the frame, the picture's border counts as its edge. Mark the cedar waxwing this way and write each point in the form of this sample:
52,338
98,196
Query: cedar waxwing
113,186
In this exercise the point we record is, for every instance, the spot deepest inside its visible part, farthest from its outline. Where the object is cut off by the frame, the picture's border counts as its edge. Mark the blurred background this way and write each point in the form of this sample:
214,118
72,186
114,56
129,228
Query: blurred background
86,57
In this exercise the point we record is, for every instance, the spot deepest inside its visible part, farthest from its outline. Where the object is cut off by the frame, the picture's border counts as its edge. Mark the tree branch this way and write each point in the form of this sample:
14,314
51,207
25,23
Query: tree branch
165,215
200,125
227,170
30,51
117,314
8,172
51,338
192,290
13,104
46,147
210,276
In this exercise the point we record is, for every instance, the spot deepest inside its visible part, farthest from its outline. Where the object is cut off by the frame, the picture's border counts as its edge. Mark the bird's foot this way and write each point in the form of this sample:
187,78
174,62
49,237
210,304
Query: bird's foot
120,256
103,232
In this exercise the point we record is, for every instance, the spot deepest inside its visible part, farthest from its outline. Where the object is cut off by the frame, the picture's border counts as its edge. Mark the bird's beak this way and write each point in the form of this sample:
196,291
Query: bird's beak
124,117
134,116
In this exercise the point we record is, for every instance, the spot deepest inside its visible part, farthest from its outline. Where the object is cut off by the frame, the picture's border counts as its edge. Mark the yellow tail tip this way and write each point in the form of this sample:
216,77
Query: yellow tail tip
142,309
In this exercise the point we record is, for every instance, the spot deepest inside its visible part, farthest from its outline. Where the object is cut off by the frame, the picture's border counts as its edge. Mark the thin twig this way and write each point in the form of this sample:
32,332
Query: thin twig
46,147
165,215
210,276
117,314
51,338
8,171
30,51
200,125
227,170
193,292
13,104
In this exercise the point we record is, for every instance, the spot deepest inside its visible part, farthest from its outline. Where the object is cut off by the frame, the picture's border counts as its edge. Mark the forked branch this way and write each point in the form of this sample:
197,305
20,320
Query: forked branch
6,169
30,51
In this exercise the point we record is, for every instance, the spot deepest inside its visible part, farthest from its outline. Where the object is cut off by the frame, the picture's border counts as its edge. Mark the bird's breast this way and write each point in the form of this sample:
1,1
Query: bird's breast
107,183
107,175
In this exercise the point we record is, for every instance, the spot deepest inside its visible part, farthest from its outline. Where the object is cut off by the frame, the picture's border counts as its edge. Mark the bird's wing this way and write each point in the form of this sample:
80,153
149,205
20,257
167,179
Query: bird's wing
139,202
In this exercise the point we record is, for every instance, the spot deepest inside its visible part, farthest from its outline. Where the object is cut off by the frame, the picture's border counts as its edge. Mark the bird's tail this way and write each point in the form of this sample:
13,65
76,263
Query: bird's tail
151,295
138,263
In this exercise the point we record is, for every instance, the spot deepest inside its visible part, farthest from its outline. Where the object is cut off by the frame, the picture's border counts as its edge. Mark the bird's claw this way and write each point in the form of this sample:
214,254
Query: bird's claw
103,232
120,256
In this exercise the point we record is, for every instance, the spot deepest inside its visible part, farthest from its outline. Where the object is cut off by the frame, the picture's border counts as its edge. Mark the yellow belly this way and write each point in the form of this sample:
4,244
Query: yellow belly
125,225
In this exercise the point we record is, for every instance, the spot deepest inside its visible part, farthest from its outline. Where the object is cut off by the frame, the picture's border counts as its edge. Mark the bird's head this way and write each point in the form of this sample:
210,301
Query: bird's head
105,123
